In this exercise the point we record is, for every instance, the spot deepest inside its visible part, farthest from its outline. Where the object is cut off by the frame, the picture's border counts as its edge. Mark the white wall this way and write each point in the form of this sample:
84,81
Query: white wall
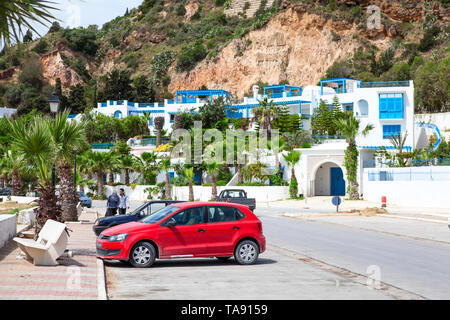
421,192
8,225
201,193
442,120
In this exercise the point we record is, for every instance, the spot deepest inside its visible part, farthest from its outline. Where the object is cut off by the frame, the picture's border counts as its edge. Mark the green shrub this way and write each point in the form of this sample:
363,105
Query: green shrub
429,38
180,10
41,47
293,188
190,56
81,39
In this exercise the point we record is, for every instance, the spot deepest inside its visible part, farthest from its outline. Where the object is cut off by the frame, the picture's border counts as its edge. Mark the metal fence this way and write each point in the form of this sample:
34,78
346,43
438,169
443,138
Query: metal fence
411,174
385,84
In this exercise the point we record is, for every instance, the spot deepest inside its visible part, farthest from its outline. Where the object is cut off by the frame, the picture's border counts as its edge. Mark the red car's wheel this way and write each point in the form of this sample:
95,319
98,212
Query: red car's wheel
142,255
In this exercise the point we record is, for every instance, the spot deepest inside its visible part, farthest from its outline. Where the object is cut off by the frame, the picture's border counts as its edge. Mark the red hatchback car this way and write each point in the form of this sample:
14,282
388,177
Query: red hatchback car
186,230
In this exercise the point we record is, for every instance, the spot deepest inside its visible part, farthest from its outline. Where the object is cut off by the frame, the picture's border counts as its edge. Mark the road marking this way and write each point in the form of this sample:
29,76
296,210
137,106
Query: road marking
391,290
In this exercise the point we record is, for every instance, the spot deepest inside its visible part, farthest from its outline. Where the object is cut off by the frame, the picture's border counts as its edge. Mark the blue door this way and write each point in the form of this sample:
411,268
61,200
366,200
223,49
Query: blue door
337,182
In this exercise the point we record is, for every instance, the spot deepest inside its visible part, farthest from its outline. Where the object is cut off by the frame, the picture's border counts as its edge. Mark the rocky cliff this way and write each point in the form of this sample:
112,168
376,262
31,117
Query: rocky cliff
294,46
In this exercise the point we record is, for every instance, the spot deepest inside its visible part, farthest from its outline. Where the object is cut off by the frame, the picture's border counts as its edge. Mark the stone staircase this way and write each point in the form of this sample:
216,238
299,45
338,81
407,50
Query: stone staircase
237,6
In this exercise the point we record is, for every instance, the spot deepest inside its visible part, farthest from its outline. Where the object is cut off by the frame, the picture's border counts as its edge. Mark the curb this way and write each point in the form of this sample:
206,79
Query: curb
101,281
412,218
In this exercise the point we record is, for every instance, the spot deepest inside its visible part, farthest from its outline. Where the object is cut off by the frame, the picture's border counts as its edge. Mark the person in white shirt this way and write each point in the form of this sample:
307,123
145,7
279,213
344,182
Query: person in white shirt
124,202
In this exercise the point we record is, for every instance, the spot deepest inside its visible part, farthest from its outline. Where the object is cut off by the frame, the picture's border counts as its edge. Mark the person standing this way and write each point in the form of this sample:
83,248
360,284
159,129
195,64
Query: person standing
124,202
112,204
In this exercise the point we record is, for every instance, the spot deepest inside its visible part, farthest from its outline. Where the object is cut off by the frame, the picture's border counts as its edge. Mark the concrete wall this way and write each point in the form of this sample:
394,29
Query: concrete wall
8,225
429,188
27,217
261,194
20,199
442,120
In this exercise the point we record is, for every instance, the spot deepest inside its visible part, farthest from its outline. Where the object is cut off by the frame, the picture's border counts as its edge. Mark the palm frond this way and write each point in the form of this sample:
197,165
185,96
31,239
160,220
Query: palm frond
16,15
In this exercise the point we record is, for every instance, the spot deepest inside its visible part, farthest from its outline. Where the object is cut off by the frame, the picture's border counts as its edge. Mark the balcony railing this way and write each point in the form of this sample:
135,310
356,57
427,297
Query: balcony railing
102,146
385,84
148,142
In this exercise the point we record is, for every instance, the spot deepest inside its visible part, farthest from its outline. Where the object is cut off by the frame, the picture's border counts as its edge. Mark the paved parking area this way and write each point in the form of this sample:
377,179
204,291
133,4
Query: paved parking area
276,276
74,278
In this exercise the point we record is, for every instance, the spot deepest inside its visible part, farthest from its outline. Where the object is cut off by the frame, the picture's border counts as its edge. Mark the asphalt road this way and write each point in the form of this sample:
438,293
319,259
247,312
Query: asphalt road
418,266
415,265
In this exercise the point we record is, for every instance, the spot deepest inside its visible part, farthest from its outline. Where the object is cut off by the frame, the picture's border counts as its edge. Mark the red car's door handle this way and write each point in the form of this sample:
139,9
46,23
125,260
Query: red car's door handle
236,228
201,230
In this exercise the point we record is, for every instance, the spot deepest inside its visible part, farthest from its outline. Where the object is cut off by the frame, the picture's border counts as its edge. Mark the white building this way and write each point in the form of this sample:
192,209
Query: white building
7,112
388,106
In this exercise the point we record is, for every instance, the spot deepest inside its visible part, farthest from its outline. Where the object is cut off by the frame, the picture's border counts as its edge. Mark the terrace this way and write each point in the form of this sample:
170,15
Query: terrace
339,85
282,91
198,96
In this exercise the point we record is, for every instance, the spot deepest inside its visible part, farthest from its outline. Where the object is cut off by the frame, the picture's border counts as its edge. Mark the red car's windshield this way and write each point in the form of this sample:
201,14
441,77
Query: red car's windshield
159,215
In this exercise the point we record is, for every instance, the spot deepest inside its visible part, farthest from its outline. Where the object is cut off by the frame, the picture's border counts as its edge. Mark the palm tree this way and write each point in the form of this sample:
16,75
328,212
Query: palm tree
349,127
265,113
166,165
213,168
281,146
67,138
84,182
15,15
399,141
33,142
292,158
113,166
189,174
98,162
146,164
15,165
159,124
127,163
3,171
84,164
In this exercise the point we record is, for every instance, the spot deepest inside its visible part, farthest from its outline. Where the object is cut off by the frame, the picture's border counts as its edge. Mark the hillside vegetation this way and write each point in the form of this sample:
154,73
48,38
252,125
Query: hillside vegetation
136,56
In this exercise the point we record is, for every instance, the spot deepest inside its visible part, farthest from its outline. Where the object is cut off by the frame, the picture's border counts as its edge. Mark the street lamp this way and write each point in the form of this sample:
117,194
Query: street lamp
54,106
54,102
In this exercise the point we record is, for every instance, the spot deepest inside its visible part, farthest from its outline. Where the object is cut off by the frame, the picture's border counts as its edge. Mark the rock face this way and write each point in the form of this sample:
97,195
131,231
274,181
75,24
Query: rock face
295,46
54,68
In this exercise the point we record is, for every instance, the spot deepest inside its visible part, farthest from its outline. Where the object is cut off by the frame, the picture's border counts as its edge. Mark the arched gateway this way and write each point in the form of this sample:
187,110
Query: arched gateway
329,180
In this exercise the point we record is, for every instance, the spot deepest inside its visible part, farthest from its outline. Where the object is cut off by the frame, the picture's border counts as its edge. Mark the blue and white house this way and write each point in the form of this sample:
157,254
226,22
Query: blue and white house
388,106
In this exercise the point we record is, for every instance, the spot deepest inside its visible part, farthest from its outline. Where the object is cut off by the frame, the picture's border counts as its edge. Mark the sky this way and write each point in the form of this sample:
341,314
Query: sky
75,13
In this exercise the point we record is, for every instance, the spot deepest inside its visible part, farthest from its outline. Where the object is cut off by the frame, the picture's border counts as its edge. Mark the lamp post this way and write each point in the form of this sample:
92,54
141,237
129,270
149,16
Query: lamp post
54,106
54,103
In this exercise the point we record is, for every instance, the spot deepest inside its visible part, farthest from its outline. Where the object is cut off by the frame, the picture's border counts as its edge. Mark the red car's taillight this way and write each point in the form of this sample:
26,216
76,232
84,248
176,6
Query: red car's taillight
259,224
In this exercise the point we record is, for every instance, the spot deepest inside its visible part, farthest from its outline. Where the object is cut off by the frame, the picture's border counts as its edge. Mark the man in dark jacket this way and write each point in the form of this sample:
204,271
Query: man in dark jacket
112,204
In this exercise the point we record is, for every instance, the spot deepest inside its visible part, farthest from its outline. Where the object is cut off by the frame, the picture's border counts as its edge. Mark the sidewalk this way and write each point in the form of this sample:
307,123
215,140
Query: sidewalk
74,278
324,205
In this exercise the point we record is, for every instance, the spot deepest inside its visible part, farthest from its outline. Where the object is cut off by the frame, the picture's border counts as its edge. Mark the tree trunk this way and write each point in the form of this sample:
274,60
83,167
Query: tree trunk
240,175
214,187
278,165
68,196
100,183
48,208
167,192
17,183
191,192
111,178
158,138
127,176
351,166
